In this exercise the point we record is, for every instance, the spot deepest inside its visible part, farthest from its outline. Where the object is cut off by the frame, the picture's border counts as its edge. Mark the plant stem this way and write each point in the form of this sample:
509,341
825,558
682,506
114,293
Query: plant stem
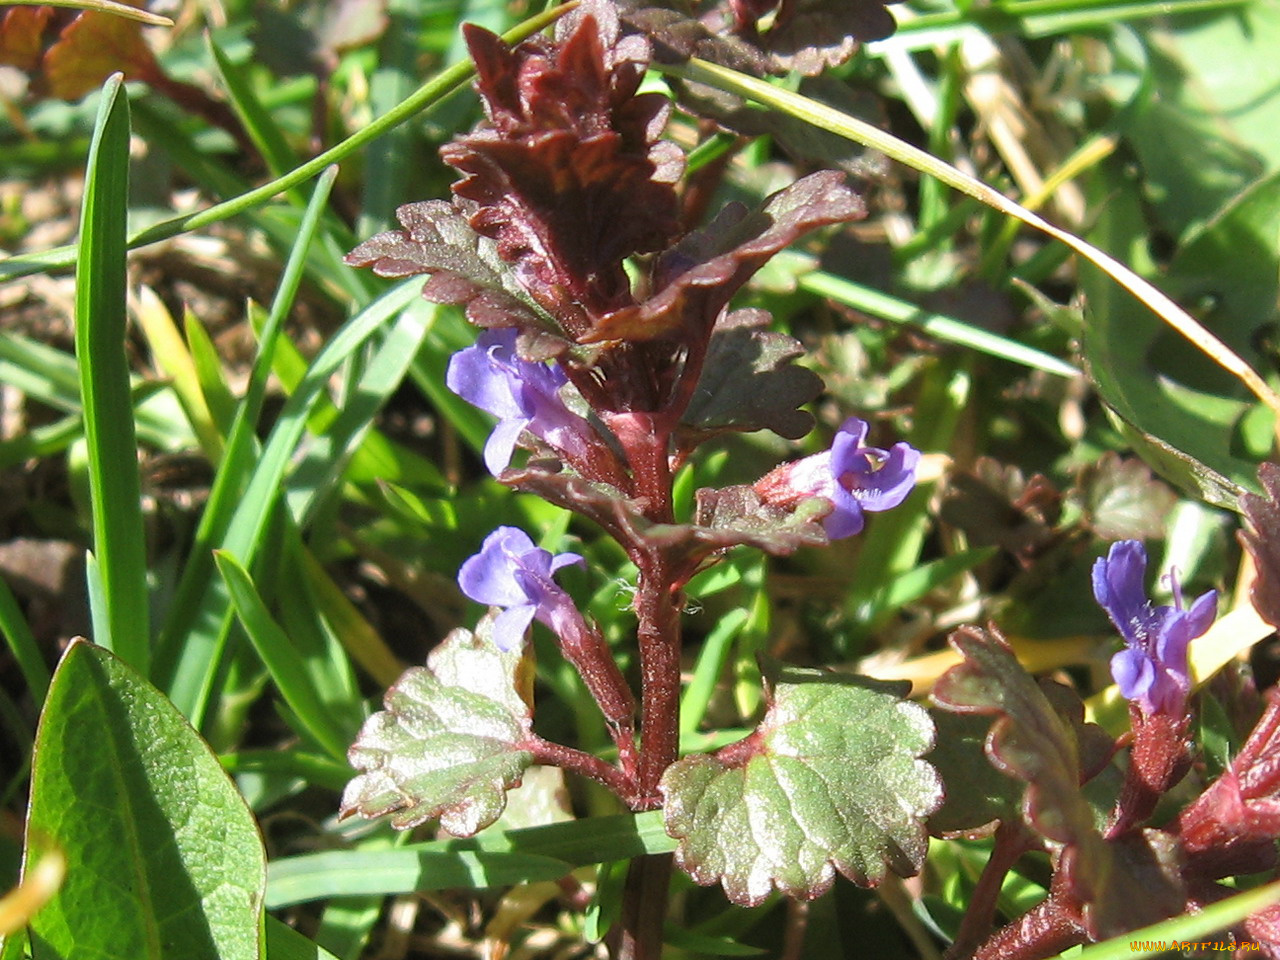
581,762
1011,841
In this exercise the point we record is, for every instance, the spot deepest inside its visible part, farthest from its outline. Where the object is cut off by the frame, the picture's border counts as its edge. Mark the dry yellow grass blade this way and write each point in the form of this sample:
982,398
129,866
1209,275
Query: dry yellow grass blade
105,6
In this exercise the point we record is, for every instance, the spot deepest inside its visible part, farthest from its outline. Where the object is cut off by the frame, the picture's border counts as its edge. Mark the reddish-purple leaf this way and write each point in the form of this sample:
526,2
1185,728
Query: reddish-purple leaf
22,36
92,48
696,278
1263,542
1031,741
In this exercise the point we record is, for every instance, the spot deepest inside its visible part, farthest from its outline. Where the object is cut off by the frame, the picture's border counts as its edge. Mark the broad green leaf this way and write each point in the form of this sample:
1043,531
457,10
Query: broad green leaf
1181,409
285,943
831,780
450,742
163,857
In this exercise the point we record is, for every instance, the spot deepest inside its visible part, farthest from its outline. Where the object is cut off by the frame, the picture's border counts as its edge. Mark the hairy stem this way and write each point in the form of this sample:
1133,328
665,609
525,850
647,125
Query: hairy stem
1011,841
583,763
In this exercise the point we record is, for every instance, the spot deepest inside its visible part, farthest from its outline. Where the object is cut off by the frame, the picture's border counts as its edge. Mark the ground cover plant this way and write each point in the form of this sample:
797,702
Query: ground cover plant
673,501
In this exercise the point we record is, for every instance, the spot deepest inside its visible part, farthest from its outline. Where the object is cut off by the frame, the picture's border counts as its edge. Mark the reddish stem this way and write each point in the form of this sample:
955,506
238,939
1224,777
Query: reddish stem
581,762
1011,841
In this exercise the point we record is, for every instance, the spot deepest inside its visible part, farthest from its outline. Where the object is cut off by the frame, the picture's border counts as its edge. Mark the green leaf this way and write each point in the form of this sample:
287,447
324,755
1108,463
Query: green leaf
1181,409
163,857
831,780
285,943
449,743
322,721
976,792
1121,500
118,538
748,381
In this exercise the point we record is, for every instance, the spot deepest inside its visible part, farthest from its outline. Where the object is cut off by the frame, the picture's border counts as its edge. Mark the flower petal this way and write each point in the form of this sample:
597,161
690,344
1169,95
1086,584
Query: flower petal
511,626
1134,673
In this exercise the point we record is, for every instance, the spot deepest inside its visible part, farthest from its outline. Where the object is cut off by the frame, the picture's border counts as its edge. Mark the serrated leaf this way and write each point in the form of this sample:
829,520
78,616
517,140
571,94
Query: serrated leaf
748,381
163,856
450,742
1032,741
735,516
1121,499
830,781
1263,542
465,268
697,277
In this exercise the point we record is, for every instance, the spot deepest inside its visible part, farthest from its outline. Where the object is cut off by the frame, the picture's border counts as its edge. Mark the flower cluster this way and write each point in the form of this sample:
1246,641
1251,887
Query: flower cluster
1151,670
512,573
524,396
855,478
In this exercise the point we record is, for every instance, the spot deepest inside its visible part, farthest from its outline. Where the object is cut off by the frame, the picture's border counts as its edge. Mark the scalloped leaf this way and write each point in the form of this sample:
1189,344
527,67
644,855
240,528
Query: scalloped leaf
1034,742
748,381
697,277
465,268
831,780
1122,500
450,742
735,516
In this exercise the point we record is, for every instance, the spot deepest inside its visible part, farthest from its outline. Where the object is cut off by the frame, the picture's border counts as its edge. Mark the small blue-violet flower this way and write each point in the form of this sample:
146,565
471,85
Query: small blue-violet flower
854,477
521,394
1151,670
510,571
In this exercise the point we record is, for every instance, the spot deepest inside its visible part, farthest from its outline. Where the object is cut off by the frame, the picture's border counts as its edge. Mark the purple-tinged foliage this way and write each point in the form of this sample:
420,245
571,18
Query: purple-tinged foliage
524,396
510,571
804,35
1151,670
568,175
854,477
1231,828
1263,542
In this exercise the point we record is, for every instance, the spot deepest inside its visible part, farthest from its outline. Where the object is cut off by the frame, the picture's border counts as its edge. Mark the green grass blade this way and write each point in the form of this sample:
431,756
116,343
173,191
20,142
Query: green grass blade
257,122
321,470
432,92
711,663
188,658
492,858
251,507
118,536
22,644
890,308
288,670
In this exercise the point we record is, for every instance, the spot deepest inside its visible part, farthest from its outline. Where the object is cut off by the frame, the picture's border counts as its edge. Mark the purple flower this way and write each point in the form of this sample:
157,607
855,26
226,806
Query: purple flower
522,395
1152,668
855,478
511,572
